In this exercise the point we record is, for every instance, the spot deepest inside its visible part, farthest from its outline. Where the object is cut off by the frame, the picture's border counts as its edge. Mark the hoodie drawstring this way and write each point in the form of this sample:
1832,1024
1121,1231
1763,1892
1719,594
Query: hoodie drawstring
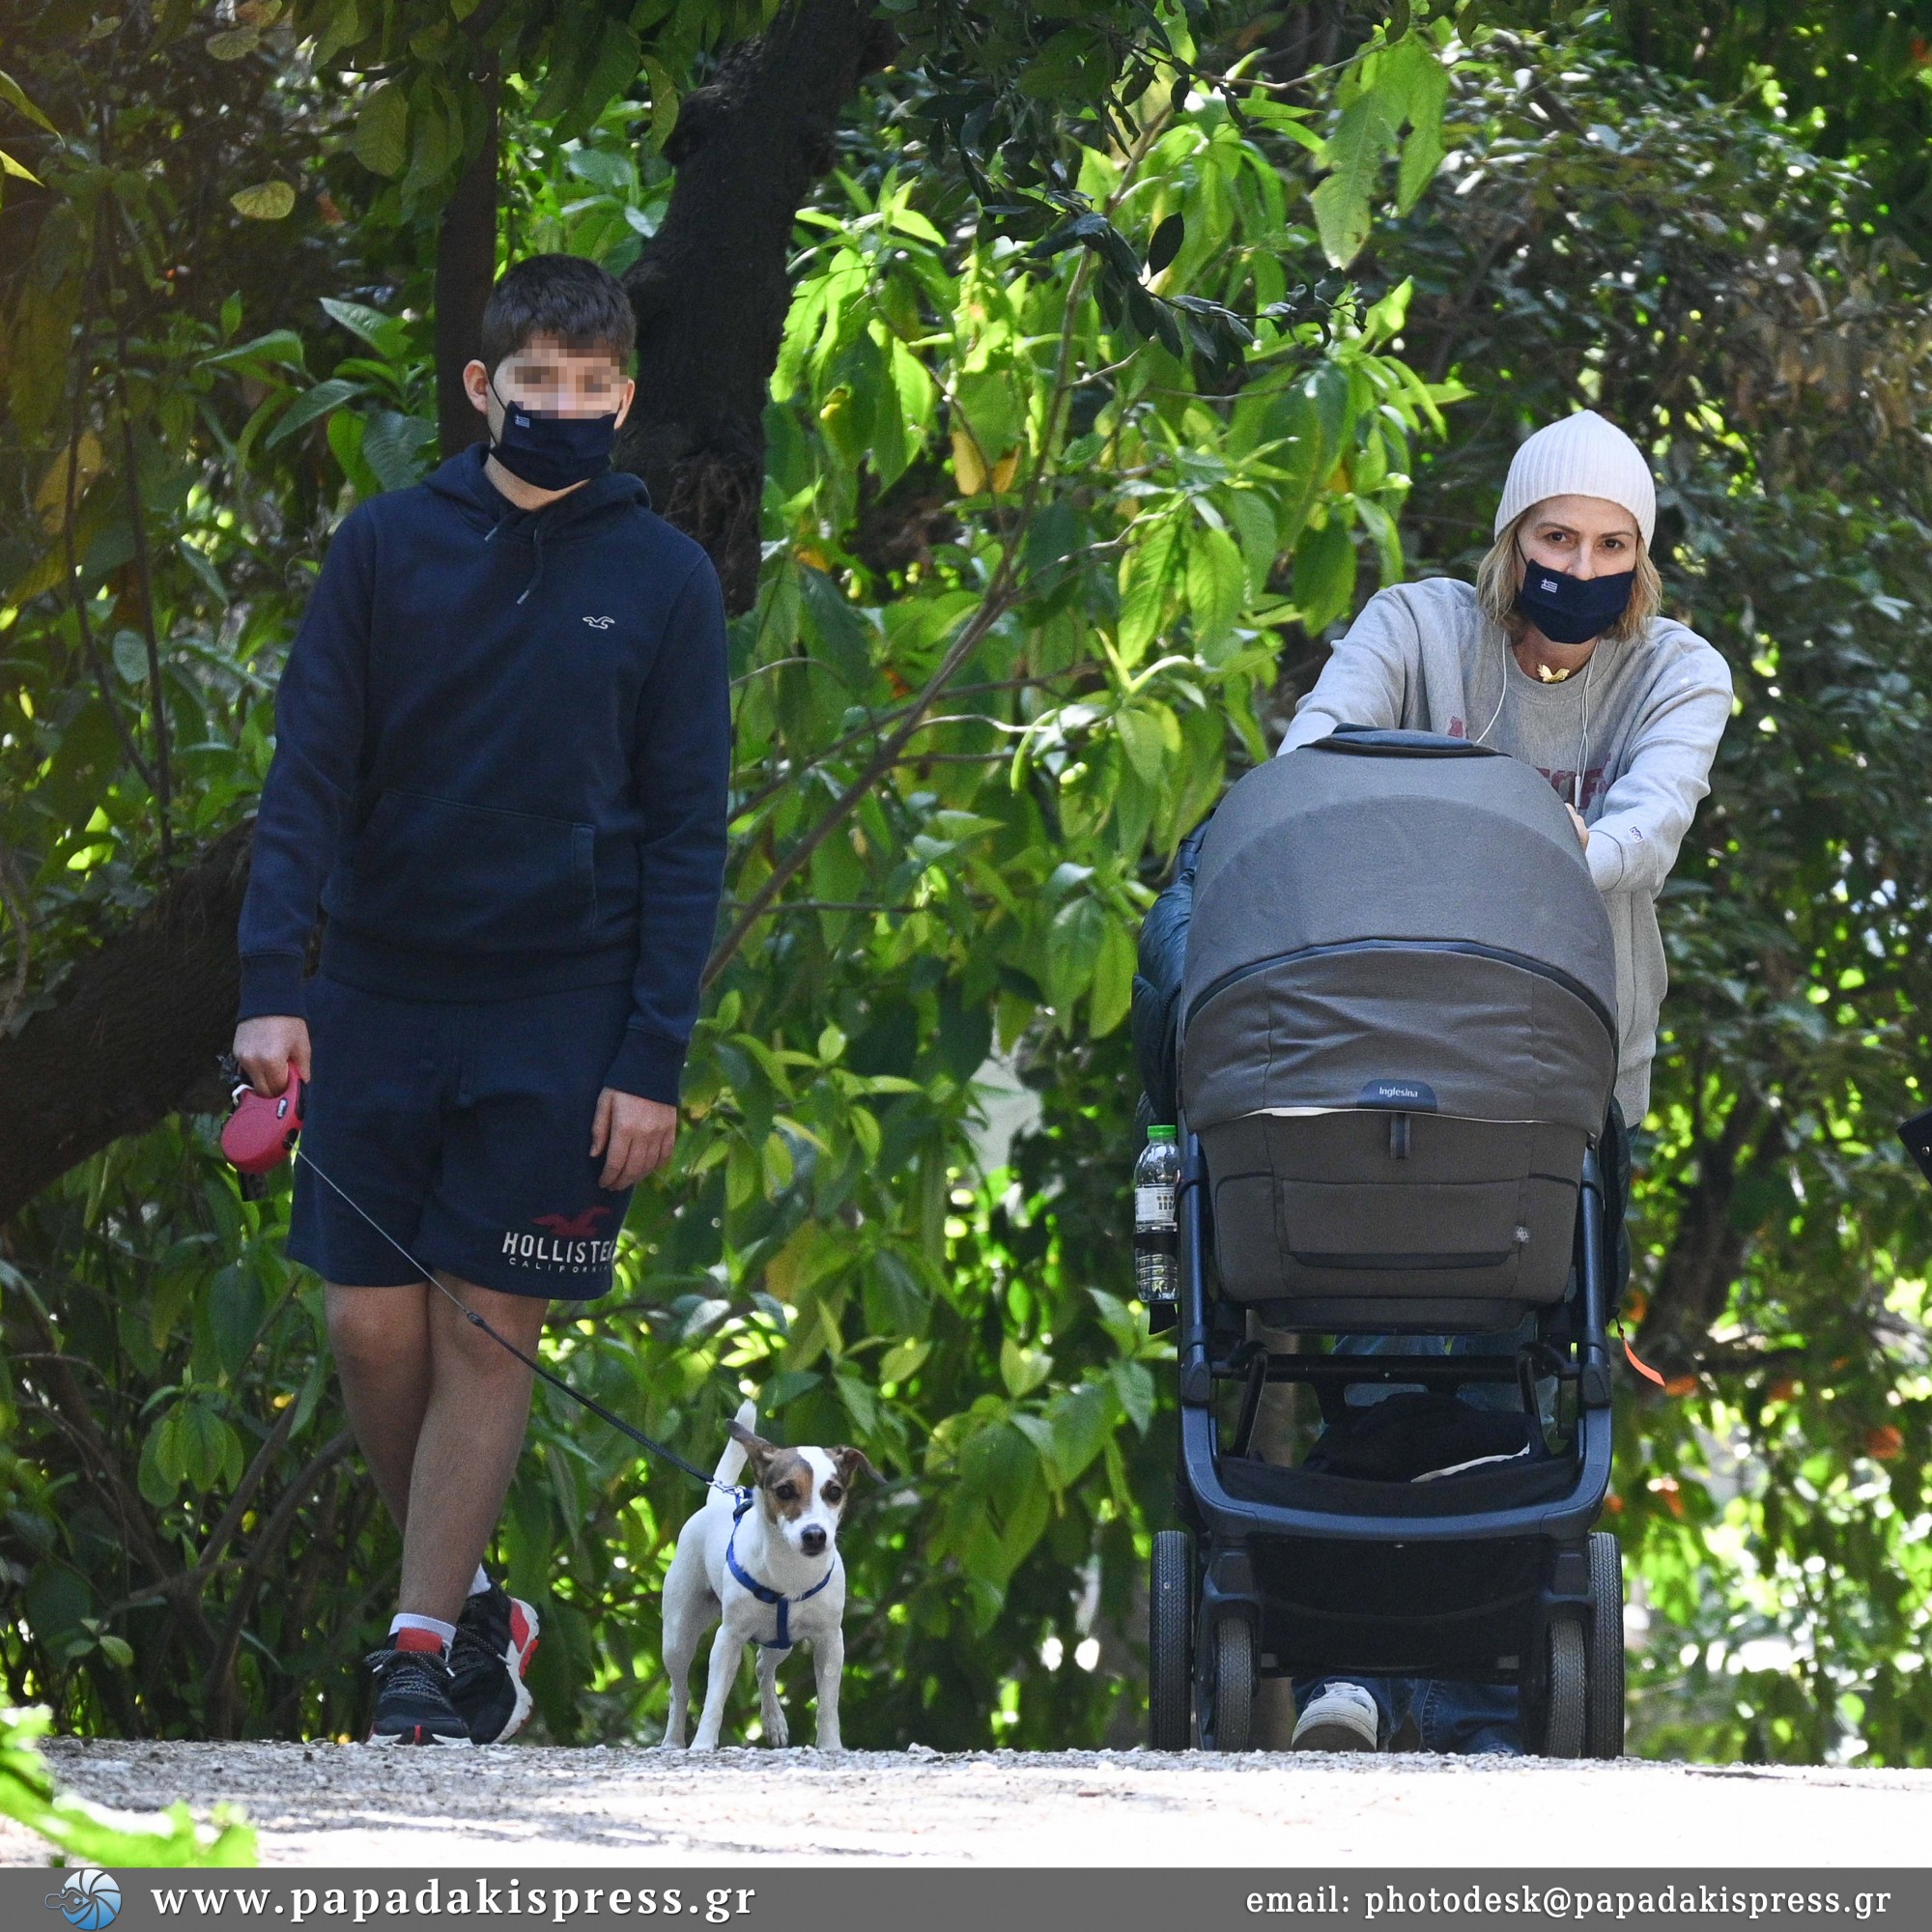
536,576
536,530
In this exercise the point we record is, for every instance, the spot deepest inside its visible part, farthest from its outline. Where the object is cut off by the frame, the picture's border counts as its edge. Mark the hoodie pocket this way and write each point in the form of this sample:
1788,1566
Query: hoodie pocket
470,878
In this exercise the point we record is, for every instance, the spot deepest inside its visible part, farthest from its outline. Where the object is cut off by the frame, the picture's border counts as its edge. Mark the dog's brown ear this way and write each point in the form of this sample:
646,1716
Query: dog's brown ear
848,1460
757,1445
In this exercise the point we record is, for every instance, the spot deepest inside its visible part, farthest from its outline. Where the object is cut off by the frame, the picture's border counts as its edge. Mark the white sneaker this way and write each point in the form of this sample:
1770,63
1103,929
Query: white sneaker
1339,1718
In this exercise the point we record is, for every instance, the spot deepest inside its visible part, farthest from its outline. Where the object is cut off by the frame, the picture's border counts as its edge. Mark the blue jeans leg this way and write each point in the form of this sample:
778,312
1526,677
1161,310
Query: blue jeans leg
1467,1720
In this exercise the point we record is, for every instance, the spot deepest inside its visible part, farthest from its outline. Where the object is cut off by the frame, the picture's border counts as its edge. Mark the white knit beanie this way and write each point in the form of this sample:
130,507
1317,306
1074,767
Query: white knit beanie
1581,456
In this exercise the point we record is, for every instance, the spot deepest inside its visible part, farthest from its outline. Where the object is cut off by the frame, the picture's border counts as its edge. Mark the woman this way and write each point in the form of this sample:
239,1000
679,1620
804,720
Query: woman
1559,655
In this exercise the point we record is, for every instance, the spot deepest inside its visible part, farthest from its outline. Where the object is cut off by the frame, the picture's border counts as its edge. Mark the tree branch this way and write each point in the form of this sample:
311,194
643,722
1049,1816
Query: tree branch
712,288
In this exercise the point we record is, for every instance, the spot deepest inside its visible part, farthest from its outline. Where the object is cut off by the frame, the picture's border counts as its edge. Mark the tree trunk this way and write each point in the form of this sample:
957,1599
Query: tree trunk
466,267
711,290
134,1029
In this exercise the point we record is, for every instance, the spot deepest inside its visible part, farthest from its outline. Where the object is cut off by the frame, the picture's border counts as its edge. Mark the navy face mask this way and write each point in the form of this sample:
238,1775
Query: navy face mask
552,452
1573,609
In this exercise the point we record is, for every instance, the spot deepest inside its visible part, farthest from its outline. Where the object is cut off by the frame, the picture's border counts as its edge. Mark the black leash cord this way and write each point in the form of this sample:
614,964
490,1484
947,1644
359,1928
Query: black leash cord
536,1368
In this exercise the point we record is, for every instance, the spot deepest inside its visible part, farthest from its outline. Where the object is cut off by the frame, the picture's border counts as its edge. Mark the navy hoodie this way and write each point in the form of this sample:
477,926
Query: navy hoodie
503,752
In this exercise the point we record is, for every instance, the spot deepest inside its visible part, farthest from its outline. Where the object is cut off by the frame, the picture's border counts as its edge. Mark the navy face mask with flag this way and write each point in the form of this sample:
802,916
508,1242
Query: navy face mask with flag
1573,609
552,452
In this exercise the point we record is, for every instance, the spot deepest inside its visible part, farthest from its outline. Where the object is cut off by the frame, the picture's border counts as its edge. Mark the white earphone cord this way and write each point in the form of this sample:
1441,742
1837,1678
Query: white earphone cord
1582,736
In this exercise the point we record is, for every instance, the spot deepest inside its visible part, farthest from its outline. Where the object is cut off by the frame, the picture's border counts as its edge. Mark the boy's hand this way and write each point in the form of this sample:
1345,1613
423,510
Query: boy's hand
1582,830
267,1048
634,1135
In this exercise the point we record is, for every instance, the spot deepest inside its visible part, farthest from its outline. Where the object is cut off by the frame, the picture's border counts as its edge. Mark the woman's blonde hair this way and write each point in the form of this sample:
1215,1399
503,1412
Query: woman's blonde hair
1498,581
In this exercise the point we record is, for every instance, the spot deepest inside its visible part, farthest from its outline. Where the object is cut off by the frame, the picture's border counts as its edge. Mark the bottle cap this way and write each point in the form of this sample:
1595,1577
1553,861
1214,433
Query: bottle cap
1160,1133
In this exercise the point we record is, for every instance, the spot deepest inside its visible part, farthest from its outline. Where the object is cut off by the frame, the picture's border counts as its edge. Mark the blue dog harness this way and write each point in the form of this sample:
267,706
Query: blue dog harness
764,1593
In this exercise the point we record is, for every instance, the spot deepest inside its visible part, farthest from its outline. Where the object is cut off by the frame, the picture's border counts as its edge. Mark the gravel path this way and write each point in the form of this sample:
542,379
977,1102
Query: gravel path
518,1806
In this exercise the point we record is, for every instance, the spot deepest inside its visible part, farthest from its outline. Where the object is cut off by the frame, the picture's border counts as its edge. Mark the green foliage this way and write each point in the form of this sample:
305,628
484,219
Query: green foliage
85,1834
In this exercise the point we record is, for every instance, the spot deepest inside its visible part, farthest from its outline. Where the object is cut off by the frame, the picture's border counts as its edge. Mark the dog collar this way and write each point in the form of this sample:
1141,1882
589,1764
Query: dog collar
764,1592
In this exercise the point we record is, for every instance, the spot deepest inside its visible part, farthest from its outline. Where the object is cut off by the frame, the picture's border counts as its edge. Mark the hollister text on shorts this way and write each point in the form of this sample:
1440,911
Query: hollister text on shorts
568,1246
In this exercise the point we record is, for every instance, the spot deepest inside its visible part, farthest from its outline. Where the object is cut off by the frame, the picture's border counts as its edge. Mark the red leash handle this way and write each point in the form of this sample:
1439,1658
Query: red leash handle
262,1130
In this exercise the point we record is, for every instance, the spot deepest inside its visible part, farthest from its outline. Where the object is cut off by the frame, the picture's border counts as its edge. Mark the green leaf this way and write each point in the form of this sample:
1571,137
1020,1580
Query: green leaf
1081,1421
1073,943
1216,585
664,101
612,70
901,1361
12,94
381,142
265,201
1253,522
281,348
387,334
1354,156
1145,744
1135,1387
235,1308
1423,151
344,29
159,1486
1113,982
308,406
435,137
990,401
1324,573
346,430
1023,1370
1147,574
392,446
842,637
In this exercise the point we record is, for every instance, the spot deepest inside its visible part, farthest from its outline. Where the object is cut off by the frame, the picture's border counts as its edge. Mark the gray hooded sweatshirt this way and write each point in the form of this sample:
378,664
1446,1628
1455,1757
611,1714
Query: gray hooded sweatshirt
1628,740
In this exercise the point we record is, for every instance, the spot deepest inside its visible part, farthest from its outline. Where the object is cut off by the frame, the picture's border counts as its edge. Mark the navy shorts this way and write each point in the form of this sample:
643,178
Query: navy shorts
462,1129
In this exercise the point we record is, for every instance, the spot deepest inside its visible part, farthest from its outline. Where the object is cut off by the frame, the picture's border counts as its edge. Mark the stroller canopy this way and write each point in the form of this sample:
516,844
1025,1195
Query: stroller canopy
1391,919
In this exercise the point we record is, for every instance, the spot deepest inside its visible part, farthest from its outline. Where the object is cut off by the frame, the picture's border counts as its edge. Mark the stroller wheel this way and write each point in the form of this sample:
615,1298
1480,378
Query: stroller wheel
1228,1709
1568,1676
1170,1632
1605,1720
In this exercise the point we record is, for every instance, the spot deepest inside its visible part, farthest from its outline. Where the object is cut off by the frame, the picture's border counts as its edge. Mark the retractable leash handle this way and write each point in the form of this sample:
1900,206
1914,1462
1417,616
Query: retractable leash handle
261,1131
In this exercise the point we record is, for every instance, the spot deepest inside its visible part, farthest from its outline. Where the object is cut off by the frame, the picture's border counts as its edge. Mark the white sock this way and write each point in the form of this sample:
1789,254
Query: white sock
479,1582
408,1620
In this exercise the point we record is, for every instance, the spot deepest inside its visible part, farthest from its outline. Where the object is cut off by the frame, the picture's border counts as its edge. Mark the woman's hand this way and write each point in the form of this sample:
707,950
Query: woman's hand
1582,830
270,1048
634,1135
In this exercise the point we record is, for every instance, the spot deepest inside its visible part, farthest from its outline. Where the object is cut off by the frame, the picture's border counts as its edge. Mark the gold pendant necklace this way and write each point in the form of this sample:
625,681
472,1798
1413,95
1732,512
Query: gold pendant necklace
1550,676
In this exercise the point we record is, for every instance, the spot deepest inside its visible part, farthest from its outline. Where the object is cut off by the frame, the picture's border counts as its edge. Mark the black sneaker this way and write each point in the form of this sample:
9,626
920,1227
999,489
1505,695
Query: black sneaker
495,1638
412,1704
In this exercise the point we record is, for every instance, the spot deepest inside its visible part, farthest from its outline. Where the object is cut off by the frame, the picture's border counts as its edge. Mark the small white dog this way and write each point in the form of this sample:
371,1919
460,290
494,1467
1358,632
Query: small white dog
766,1571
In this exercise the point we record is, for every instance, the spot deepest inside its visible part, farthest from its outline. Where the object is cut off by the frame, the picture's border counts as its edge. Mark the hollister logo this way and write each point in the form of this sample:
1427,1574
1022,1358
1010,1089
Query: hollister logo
600,623
569,1247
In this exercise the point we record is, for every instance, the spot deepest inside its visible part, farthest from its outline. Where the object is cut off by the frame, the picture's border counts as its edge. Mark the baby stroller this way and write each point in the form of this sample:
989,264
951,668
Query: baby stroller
1396,1053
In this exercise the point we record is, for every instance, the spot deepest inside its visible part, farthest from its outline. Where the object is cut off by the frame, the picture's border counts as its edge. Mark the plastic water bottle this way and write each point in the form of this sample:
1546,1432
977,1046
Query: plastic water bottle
1157,1250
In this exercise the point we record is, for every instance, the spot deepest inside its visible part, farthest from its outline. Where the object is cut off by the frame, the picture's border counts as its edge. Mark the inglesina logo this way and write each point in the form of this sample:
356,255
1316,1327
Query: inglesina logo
90,1899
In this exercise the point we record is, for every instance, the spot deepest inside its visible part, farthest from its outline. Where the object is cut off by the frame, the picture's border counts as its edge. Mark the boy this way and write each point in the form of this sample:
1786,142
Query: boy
501,761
